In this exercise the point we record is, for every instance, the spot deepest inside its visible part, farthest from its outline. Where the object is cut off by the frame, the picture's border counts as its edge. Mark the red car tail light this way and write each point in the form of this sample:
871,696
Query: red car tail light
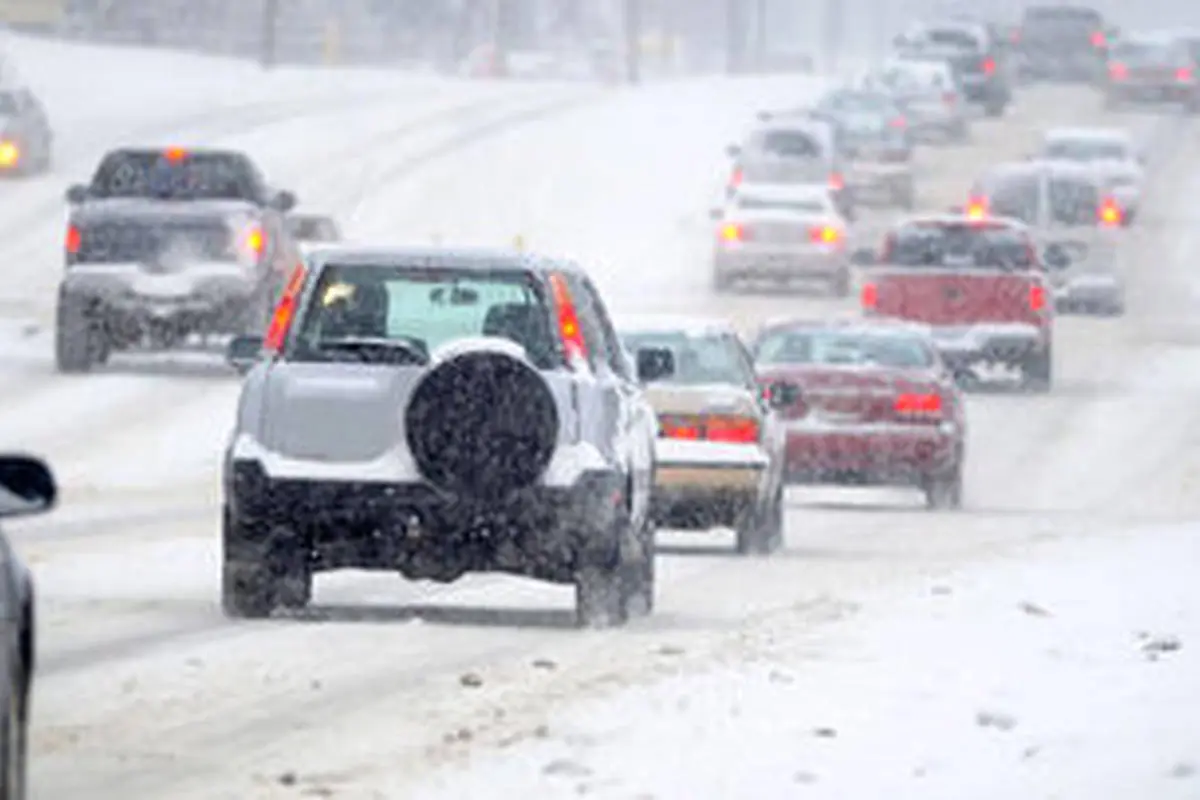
1109,213
1118,72
74,240
825,234
731,430
1037,297
869,296
569,331
918,404
285,311
989,66
680,427
733,233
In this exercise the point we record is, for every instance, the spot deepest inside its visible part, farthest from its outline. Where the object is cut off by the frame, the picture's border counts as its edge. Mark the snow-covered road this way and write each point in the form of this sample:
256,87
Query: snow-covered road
145,691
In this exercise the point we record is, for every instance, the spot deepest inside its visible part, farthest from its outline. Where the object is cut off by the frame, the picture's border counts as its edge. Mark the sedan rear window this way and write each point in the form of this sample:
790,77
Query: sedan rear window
952,37
1146,54
788,144
849,348
699,360
797,205
1085,150
379,313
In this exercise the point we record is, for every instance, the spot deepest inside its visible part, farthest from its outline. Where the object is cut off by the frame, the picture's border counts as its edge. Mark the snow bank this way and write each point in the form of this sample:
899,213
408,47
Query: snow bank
1067,676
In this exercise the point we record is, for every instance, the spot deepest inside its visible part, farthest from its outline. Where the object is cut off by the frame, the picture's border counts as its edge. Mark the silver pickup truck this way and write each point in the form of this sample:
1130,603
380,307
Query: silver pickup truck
436,413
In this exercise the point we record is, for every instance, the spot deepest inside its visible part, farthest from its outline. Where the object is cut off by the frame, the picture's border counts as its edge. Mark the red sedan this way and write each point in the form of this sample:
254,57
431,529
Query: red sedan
875,406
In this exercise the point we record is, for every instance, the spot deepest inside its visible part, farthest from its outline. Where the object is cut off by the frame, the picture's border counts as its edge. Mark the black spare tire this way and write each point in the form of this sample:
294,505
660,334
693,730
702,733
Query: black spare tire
482,424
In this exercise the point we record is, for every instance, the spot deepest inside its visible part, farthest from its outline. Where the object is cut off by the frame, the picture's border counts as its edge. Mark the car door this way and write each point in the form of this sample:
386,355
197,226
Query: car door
632,420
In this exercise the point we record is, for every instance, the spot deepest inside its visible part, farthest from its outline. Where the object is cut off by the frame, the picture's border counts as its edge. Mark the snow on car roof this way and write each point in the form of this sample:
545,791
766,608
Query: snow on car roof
689,325
878,325
784,191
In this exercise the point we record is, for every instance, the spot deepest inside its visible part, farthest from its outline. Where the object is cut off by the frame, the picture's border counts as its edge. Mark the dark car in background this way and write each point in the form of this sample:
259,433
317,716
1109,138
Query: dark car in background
1152,70
1061,42
979,61
26,140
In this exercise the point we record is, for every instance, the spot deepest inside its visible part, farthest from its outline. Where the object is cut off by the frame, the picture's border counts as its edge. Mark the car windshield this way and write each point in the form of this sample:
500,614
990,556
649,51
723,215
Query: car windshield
800,205
960,245
1085,149
174,176
843,347
699,359
414,311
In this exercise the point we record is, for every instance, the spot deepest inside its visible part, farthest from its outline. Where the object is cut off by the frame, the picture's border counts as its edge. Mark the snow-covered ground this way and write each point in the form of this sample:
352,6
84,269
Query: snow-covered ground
145,691
1067,673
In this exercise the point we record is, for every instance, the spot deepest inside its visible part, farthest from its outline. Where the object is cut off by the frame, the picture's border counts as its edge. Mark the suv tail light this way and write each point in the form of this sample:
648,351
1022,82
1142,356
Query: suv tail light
285,311
825,234
10,153
74,240
569,331
725,429
989,66
1110,214
733,233
899,123
1037,297
1118,72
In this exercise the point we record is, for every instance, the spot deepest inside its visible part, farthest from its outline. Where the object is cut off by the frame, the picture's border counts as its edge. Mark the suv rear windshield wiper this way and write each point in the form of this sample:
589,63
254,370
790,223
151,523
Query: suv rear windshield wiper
372,350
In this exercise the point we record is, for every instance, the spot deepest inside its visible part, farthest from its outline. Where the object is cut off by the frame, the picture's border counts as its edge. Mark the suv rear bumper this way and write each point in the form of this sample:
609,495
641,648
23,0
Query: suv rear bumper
423,533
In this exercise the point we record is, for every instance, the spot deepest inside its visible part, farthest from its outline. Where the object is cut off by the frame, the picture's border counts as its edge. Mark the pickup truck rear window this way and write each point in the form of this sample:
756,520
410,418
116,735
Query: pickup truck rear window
835,347
960,246
1085,149
402,314
174,175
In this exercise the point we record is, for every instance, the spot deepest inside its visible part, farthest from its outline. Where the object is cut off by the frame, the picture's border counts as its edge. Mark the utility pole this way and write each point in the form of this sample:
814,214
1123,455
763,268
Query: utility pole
633,40
270,20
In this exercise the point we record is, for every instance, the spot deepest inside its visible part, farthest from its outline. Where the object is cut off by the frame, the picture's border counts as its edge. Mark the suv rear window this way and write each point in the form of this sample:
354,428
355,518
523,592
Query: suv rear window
371,313
172,175
788,144
957,245
1073,202
837,347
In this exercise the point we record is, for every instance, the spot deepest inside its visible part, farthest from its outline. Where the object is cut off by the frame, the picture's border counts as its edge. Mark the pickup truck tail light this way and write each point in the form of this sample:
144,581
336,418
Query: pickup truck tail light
976,208
869,296
710,428
1037,297
569,331
10,153
1118,72
285,311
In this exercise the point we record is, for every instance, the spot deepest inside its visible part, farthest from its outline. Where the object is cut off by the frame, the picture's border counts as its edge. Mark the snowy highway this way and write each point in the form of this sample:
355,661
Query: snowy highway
144,690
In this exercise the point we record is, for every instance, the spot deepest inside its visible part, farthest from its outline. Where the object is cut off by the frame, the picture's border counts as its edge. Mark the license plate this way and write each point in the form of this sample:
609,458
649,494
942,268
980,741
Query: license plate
168,286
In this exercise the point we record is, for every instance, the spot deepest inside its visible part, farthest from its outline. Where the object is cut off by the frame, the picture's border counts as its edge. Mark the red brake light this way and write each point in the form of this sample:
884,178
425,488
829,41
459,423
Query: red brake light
825,234
680,428
735,179
976,209
1099,39
1110,213
74,240
837,182
175,154
989,66
10,154
1183,75
900,123
255,241
285,312
1118,71
869,296
919,404
731,430
1037,297
568,320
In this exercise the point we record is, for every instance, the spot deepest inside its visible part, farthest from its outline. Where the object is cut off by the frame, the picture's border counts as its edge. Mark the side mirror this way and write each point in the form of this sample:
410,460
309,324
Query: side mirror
283,201
1056,257
26,487
781,394
244,352
654,364
863,257
77,194
733,150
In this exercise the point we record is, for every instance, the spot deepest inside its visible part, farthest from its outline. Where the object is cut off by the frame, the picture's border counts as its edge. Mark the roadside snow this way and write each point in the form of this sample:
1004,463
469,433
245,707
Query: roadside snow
1067,676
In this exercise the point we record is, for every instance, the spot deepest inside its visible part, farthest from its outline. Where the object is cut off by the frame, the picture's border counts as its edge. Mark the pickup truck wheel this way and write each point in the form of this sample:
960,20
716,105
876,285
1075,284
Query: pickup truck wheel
1038,372
78,343
600,597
